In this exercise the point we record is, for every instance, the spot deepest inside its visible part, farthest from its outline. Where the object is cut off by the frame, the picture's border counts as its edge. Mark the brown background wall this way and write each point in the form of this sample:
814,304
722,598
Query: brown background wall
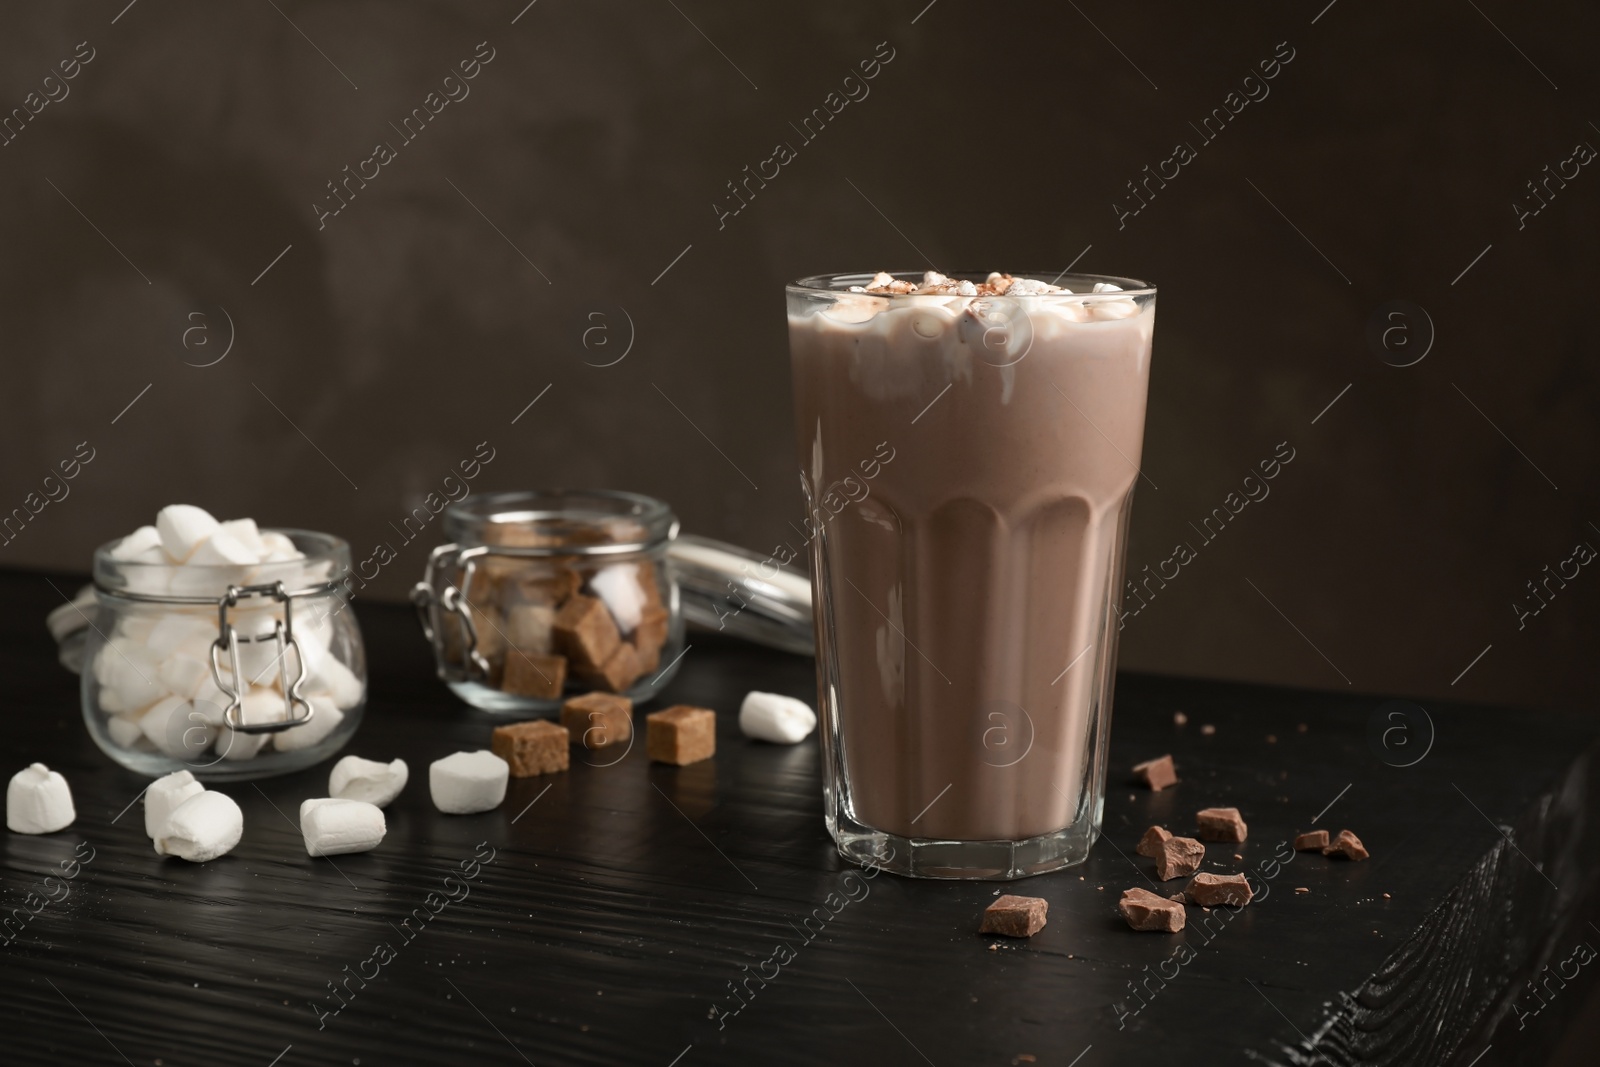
457,286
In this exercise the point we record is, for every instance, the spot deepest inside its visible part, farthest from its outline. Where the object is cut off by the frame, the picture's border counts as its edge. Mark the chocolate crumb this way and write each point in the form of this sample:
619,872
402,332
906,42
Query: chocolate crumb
1150,843
1347,846
1144,910
1208,729
1302,728
1014,916
1272,739
1179,856
1312,841
1180,719
1221,824
1301,889
1386,896
1210,890
1156,774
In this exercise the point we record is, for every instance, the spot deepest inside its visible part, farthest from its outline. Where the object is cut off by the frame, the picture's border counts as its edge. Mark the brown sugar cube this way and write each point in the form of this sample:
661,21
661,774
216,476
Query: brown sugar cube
534,674
535,747
1145,910
1220,824
1013,916
1150,843
540,582
649,636
1156,774
597,720
681,734
585,631
1315,841
529,627
1346,846
617,673
1209,890
517,535
1179,856
646,574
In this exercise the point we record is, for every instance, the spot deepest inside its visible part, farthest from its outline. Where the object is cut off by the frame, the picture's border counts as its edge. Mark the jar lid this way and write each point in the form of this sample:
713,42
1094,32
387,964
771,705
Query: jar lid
731,590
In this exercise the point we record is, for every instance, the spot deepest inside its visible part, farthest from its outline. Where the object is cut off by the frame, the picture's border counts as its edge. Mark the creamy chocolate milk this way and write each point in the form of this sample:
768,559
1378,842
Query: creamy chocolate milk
968,452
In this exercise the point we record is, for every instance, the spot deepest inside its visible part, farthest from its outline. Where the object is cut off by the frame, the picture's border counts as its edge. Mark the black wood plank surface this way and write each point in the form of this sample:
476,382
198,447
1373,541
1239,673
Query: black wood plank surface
643,914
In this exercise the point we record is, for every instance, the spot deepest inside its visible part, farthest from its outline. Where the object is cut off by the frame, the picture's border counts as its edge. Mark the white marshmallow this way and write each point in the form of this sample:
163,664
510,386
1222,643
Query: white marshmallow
184,674
162,798
258,706
354,778
618,586
277,547
152,580
136,627
39,802
210,701
180,631
325,718
129,676
222,549
205,826
137,544
207,581
247,534
468,782
1106,287
332,826
125,733
183,527
335,679
779,719
1114,309
173,726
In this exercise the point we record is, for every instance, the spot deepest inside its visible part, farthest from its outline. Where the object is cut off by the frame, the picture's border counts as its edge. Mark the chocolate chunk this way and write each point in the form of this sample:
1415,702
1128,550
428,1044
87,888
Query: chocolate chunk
1209,890
535,747
1347,846
1179,856
1220,824
532,674
585,631
598,720
1014,916
1150,843
1145,910
1156,774
1314,841
681,734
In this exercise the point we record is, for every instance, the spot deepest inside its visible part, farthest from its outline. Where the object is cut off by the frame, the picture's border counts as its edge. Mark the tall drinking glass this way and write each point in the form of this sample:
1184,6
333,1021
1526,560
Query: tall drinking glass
968,465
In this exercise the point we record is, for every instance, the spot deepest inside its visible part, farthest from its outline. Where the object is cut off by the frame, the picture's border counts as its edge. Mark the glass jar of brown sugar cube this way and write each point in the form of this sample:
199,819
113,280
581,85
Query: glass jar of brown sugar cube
547,593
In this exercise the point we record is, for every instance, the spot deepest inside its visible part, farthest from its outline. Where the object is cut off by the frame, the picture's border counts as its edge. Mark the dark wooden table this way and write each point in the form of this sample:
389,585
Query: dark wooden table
621,904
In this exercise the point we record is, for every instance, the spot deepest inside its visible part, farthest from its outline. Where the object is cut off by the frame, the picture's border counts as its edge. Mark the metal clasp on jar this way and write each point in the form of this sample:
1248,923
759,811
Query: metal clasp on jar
282,635
434,609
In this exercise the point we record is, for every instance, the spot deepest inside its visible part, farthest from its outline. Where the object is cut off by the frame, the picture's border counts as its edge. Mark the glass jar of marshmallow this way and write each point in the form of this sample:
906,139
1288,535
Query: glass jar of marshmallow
545,593
222,649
